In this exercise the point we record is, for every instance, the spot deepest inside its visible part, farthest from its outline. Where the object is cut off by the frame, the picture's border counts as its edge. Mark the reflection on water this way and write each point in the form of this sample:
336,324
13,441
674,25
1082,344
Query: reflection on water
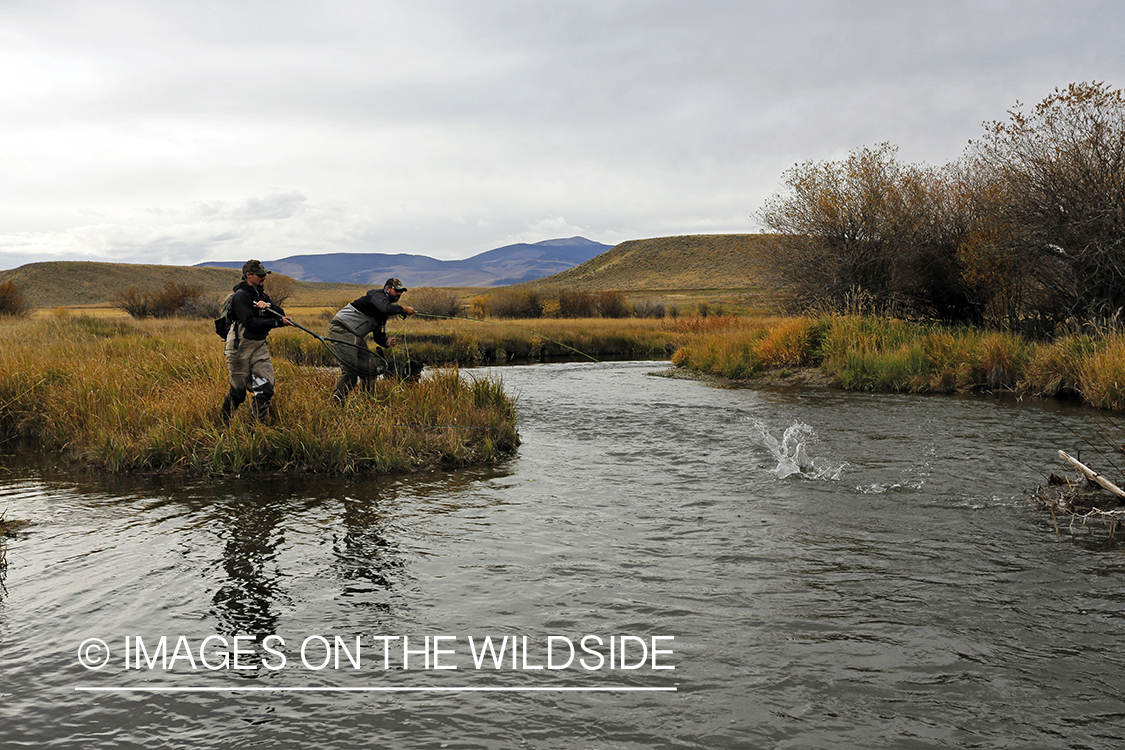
837,570
245,602
367,558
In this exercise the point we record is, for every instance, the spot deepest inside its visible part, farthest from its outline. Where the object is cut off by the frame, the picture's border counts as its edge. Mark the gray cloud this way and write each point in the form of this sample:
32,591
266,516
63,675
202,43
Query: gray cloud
161,131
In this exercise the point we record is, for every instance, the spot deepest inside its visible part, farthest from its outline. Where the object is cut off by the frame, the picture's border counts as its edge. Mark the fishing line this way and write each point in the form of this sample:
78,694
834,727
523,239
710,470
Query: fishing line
1086,440
514,328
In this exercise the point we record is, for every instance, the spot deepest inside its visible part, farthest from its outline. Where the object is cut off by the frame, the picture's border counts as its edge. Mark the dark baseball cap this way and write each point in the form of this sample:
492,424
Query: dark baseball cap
255,267
395,284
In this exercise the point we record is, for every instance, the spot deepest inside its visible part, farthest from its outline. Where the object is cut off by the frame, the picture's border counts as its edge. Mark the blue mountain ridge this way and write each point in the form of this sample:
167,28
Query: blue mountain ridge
511,264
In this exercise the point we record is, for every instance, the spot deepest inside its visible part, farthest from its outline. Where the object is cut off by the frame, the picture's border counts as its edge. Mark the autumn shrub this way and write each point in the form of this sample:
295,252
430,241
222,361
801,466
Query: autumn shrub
576,303
133,301
13,302
649,308
168,301
280,288
435,301
206,305
512,302
613,304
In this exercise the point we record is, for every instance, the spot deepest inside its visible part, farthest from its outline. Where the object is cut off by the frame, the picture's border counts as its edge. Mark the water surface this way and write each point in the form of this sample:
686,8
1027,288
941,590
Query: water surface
836,570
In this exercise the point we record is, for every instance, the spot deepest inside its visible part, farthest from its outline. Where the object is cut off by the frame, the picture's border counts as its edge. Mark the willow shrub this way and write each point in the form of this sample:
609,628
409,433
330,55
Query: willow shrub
144,396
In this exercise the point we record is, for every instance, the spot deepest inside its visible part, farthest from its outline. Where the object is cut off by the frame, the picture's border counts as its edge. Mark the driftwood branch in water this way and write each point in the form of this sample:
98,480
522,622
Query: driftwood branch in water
1092,475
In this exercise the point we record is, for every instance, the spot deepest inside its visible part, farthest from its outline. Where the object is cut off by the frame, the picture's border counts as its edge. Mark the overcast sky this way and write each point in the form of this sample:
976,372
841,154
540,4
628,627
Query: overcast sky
176,132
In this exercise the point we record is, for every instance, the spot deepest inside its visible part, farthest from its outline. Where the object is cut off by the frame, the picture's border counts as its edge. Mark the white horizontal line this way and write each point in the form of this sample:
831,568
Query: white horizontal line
432,689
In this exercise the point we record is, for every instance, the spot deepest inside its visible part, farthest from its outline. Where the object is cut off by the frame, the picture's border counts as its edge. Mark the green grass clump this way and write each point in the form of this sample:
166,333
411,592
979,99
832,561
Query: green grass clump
129,396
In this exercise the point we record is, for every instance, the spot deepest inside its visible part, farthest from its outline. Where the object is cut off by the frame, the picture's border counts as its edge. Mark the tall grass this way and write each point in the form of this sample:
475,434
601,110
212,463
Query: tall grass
463,341
884,354
144,396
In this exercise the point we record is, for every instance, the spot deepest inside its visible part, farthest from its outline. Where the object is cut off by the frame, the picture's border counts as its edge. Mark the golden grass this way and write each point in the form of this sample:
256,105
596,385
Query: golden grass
880,354
125,396
440,341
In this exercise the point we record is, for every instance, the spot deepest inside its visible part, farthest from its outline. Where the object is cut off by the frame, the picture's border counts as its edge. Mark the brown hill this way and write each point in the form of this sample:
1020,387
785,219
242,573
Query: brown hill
698,261
704,261
86,283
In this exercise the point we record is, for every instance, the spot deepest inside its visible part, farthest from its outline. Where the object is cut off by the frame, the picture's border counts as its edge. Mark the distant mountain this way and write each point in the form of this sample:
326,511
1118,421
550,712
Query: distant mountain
513,264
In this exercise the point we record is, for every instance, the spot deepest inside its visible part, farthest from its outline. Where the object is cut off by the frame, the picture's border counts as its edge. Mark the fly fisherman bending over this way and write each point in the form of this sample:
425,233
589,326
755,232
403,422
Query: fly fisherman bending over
368,314
248,355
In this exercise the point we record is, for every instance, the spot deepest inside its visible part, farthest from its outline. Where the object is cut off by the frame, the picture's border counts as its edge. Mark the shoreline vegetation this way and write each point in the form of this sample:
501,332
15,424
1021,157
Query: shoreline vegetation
872,353
143,396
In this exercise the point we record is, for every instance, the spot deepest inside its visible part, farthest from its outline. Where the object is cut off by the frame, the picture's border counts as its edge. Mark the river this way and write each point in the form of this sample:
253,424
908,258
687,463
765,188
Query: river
769,568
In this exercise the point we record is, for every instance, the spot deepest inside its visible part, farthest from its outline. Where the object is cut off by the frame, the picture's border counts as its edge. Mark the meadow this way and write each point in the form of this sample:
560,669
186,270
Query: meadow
143,396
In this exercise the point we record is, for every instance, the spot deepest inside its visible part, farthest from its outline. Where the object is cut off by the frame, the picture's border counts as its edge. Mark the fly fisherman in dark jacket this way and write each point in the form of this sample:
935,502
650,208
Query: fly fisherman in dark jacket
368,314
248,355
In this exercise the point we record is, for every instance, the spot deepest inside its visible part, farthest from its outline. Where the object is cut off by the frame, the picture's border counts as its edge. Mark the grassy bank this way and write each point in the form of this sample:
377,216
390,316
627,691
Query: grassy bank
437,341
125,396
878,354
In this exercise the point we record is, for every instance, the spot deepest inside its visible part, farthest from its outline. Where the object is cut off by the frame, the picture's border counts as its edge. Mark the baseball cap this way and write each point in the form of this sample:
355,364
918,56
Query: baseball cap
255,267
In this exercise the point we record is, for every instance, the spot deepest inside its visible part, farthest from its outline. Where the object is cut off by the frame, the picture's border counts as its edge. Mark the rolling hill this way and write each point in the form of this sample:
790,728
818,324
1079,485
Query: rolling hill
63,283
698,261
651,265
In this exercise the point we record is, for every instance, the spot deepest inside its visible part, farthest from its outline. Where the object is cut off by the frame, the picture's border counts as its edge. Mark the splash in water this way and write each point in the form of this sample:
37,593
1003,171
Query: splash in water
792,453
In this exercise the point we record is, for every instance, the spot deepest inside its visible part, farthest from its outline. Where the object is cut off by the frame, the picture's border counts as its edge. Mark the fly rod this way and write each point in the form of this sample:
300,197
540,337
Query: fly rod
514,328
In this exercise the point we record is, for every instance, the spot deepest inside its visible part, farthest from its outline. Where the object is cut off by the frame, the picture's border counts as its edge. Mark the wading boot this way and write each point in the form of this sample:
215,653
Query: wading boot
259,410
226,411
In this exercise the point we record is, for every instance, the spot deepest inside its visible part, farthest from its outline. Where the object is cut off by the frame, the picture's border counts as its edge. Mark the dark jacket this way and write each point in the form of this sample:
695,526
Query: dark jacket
256,324
369,314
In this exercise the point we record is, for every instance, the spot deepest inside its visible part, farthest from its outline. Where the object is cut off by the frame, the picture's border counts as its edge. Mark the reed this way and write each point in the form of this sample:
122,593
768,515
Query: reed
1057,368
790,342
143,396
1102,375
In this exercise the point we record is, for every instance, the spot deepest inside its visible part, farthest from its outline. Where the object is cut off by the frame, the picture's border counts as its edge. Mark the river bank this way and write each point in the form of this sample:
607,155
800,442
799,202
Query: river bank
125,396
894,356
